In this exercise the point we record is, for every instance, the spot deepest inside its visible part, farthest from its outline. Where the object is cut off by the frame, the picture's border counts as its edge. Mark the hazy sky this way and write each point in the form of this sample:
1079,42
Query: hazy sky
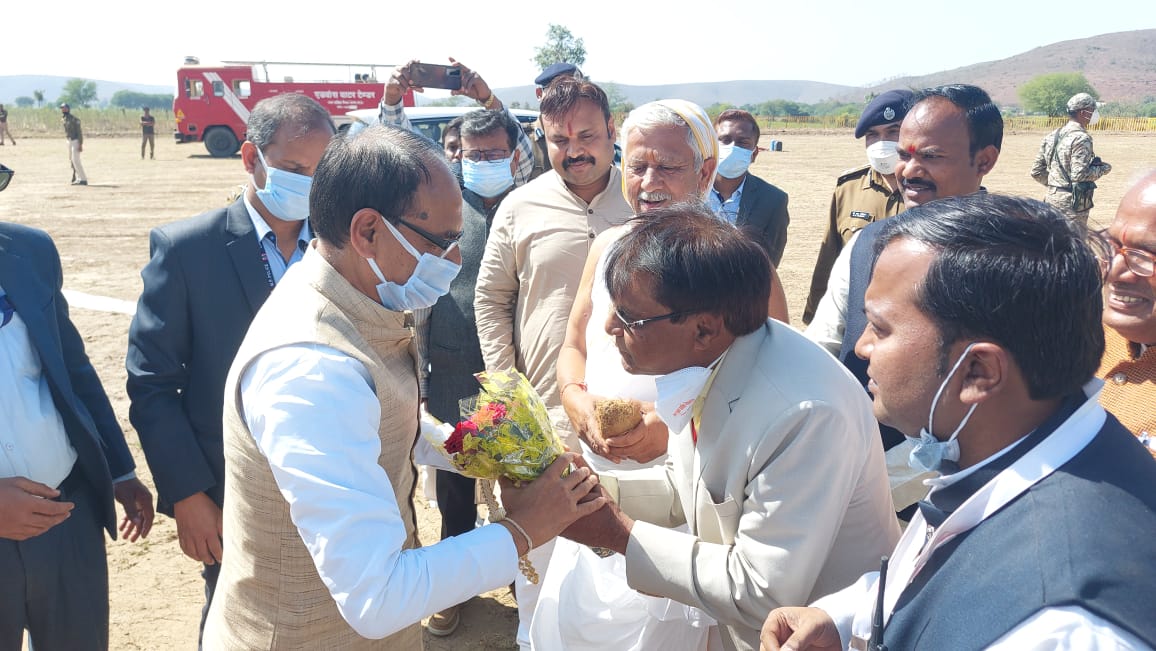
655,42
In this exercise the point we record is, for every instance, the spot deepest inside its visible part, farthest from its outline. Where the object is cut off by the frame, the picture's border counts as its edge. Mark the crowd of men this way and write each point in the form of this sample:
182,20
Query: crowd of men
976,367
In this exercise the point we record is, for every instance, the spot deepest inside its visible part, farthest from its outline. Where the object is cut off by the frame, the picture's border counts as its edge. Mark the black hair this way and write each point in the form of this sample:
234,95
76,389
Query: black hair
482,123
287,110
563,94
694,262
984,121
1015,272
379,167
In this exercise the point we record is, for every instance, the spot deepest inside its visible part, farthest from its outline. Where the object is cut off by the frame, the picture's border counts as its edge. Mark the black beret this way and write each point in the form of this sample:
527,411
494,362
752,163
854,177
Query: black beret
554,70
884,109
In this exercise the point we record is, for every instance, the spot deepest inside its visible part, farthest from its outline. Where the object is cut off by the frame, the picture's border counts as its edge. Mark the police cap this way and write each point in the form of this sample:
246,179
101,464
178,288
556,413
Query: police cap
884,109
554,70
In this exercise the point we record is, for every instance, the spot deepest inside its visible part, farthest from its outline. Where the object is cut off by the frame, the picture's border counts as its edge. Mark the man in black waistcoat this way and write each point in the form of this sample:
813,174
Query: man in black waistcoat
983,339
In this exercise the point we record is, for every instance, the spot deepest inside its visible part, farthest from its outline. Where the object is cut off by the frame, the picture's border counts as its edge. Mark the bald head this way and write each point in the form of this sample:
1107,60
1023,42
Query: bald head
1129,294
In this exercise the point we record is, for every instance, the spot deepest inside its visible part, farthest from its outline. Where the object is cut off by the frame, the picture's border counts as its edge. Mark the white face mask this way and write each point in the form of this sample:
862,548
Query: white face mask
930,453
286,194
733,161
1095,117
429,281
488,178
883,156
677,392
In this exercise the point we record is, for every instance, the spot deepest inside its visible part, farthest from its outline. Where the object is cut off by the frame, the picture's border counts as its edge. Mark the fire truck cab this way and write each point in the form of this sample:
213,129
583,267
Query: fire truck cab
212,103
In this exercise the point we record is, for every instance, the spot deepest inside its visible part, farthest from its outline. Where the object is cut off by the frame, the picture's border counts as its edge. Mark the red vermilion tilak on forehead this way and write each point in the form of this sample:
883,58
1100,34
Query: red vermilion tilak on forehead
911,149
569,128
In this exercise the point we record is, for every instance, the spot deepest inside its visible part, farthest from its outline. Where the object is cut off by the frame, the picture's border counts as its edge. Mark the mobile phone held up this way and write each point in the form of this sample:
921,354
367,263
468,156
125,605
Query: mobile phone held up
431,75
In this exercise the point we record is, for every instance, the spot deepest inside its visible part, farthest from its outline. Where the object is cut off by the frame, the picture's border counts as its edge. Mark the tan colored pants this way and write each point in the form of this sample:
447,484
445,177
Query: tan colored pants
149,139
74,155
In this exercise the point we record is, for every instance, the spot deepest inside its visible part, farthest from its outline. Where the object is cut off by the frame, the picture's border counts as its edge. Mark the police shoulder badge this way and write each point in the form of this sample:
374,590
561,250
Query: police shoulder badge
888,113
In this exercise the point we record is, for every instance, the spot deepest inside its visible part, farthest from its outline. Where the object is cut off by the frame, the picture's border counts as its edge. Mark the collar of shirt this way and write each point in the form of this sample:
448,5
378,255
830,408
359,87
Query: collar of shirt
262,228
950,491
727,208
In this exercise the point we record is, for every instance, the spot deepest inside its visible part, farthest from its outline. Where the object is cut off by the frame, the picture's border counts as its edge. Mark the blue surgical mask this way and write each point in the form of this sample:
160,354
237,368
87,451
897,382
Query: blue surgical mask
488,178
429,281
930,454
286,194
733,161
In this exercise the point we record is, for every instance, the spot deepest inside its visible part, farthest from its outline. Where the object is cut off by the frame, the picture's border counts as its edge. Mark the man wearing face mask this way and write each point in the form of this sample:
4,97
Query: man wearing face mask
1030,538
321,419
864,194
1066,164
740,197
489,158
205,280
774,463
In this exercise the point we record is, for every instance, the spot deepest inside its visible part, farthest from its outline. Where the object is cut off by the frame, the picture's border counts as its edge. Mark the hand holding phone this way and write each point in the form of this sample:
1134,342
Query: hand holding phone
432,75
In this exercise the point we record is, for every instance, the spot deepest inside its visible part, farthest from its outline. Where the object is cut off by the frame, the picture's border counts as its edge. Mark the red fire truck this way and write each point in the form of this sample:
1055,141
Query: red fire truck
213,102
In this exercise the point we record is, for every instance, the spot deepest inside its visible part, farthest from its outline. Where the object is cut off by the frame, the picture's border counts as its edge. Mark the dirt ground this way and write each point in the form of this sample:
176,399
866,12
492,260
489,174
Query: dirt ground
102,233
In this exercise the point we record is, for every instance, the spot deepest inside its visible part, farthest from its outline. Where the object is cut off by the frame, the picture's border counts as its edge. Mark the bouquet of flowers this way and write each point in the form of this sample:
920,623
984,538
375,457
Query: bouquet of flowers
505,431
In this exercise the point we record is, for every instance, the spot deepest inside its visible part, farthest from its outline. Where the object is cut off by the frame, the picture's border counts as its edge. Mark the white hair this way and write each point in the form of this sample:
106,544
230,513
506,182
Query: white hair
655,115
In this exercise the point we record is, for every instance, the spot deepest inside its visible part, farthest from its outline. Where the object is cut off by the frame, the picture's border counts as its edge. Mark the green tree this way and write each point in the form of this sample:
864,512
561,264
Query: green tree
560,47
78,92
24,101
38,95
1049,94
616,98
134,99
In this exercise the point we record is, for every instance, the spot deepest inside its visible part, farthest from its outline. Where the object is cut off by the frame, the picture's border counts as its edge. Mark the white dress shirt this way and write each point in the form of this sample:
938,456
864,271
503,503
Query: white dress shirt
830,321
314,414
33,441
1048,629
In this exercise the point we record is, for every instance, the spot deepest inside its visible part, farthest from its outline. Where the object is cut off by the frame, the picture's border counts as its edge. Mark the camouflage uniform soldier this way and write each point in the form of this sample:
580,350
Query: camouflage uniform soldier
1066,158
864,194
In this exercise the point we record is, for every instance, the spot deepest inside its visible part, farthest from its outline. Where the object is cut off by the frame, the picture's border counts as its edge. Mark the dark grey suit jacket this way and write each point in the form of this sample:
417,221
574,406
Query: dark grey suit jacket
202,287
763,214
31,276
454,351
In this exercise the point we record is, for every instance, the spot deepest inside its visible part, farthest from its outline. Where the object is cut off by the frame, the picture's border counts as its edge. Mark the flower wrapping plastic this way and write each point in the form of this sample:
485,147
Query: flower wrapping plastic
505,431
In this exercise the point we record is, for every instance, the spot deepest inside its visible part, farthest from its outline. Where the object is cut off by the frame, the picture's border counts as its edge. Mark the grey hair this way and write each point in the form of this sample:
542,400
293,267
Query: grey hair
287,110
654,115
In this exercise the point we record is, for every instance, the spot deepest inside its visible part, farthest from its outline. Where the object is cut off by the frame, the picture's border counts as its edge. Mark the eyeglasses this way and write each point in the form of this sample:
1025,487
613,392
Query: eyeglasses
631,326
5,177
479,155
445,244
1140,262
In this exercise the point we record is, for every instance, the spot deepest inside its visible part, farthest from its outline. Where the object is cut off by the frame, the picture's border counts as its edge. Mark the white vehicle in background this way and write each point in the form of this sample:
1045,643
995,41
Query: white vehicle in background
430,120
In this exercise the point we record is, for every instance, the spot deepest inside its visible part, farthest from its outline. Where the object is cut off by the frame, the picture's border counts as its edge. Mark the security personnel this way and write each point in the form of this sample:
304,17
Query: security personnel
552,72
863,194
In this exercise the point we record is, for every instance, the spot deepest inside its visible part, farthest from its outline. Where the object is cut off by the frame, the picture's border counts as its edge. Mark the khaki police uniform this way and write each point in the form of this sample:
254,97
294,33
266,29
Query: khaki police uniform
861,197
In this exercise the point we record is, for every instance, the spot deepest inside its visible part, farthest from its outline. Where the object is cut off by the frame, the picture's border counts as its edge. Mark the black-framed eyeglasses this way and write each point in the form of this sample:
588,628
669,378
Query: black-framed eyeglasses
631,326
1140,262
5,177
445,244
479,155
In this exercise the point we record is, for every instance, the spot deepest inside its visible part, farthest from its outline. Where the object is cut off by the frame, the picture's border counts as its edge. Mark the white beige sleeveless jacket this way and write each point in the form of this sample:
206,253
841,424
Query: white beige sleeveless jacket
269,595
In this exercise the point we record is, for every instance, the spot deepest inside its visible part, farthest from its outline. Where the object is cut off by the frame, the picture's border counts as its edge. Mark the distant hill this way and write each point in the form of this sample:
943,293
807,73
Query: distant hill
13,86
1120,66
707,93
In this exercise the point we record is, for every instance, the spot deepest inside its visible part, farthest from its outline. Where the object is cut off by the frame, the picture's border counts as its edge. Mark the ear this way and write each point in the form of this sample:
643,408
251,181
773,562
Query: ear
985,159
706,175
986,373
364,229
514,162
250,161
755,153
611,132
708,328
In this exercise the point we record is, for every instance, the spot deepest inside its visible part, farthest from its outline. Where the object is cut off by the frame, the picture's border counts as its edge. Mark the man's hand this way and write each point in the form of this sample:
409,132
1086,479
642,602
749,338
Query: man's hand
579,406
799,629
646,442
473,86
607,527
27,510
399,83
554,500
138,508
199,528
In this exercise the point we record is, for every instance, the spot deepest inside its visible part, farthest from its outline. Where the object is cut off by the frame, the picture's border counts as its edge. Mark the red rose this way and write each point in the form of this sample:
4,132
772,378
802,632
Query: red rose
497,411
454,443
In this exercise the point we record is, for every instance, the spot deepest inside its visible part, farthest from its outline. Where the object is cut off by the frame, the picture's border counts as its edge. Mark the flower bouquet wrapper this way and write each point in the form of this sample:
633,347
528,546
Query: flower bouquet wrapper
504,432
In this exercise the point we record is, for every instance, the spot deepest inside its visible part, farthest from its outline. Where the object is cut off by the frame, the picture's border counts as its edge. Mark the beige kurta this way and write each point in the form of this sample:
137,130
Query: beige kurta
530,272
269,595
